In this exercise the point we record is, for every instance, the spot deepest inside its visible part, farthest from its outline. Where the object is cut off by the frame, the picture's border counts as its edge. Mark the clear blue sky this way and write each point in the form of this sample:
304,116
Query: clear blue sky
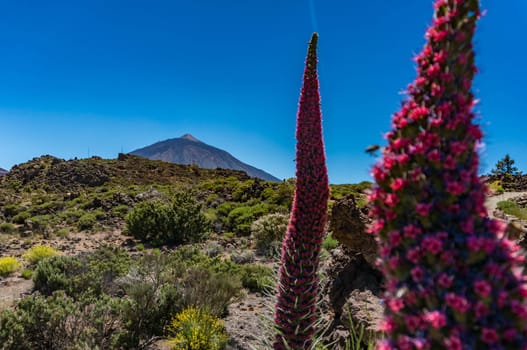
92,77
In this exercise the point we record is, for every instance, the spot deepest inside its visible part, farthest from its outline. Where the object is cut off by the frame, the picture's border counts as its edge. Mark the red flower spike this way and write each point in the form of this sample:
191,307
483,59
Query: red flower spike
453,280
295,313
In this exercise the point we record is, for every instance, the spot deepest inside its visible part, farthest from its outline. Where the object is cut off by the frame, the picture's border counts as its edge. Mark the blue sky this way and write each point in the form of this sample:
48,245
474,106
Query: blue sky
95,77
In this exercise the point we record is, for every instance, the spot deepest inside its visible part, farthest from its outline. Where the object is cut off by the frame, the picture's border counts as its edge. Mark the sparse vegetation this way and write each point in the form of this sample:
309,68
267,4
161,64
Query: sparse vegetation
512,208
269,231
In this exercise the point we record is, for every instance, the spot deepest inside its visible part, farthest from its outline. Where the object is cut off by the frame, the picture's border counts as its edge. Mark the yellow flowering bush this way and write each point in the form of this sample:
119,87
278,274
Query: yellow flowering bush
8,265
39,252
195,329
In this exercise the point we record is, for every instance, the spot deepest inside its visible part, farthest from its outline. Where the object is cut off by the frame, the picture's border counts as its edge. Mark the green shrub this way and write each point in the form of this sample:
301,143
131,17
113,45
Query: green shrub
120,211
8,265
57,273
87,221
180,221
7,227
104,266
269,231
257,278
152,298
21,217
241,218
11,210
71,216
57,322
195,329
62,233
38,253
330,243
27,274
93,274
205,288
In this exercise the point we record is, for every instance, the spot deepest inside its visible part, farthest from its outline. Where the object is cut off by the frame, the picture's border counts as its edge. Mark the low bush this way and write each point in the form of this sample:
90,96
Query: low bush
58,273
38,253
21,217
269,231
57,322
176,222
152,298
7,227
86,221
241,218
8,265
257,278
195,329
203,287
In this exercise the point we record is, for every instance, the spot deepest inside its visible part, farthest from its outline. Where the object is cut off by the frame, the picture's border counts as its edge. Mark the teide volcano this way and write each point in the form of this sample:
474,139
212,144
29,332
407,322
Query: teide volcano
189,150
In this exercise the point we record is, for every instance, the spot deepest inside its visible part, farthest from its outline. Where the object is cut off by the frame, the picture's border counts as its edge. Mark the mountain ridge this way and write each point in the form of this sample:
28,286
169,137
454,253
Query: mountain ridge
187,150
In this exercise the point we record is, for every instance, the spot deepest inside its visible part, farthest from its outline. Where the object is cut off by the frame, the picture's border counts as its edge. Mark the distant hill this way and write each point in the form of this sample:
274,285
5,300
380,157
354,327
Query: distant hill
3,171
189,150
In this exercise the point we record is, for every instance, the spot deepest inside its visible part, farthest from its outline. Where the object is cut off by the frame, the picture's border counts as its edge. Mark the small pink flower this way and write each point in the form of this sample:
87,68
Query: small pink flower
389,162
387,325
457,302
384,345
397,184
489,335
445,280
481,310
393,263
440,57
432,244
411,231
483,288
436,319
417,274
405,343
455,188
453,343
434,156
423,209
395,238
414,255
395,304
376,226
418,113
413,322
433,71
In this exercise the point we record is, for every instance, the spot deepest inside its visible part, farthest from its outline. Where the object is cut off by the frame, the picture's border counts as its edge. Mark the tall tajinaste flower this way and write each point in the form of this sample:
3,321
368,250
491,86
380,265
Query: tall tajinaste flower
453,280
298,285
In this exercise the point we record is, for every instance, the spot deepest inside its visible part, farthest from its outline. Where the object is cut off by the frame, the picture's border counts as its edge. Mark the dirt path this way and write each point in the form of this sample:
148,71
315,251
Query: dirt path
491,202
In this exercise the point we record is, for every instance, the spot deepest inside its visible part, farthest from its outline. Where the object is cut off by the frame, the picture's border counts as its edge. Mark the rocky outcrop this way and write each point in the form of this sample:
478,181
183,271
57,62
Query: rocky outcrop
516,183
352,298
3,171
55,174
516,228
348,224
